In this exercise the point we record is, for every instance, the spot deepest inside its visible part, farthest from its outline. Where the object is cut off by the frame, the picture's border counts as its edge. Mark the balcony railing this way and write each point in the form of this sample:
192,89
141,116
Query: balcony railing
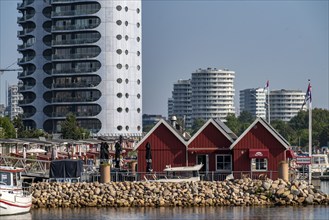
73,99
73,27
24,4
25,17
77,114
25,46
73,13
25,31
73,56
25,87
75,70
27,115
26,73
75,41
74,85
25,101
25,59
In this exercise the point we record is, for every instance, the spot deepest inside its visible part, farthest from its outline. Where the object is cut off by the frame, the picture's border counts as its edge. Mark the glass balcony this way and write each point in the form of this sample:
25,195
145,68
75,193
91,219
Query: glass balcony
24,46
73,99
73,56
73,27
73,13
24,4
75,70
24,32
25,59
27,114
76,41
25,17
25,101
25,87
75,85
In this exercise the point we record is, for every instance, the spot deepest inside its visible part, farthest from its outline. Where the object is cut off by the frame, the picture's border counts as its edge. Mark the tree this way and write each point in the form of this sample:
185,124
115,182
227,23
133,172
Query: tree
197,124
233,123
71,130
7,129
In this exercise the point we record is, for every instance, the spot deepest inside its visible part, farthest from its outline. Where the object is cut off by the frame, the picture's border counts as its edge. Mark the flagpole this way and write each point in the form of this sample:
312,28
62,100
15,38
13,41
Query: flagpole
268,104
310,135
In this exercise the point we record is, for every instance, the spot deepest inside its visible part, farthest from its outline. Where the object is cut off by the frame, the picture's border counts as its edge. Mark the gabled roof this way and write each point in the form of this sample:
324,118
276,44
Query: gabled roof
170,128
268,127
220,126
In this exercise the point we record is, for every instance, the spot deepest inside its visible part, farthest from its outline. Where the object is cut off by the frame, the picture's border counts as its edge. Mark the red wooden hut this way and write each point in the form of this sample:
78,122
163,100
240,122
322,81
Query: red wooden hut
210,146
258,150
168,147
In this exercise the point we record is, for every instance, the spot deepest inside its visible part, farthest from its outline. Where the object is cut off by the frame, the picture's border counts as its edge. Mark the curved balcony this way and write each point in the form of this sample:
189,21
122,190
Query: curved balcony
73,99
75,85
25,17
24,46
74,56
24,4
25,59
75,41
74,71
26,115
26,101
24,32
74,13
74,27
24,88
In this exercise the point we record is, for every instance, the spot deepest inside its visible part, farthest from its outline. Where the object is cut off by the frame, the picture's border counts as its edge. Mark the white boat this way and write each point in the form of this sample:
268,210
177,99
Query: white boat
320,163
178,174
14,198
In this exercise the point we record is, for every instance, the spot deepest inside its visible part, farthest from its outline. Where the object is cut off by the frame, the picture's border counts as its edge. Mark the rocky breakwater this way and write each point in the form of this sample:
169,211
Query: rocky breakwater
238,192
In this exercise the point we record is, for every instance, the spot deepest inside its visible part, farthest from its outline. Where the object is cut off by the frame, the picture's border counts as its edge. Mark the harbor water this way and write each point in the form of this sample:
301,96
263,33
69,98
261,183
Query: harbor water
306,212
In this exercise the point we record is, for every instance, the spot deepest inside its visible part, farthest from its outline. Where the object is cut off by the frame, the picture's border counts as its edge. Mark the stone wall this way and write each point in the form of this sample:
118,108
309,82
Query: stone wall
155,194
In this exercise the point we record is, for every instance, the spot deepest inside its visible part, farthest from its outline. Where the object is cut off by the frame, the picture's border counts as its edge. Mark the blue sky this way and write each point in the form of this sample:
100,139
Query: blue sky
285,42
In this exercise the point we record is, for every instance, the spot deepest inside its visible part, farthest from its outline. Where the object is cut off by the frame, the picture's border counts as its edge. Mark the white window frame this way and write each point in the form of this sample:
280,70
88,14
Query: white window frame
230,170
258,162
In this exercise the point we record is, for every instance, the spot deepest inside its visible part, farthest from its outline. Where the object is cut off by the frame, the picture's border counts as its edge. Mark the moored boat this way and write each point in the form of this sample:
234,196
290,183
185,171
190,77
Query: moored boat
14,198
179,174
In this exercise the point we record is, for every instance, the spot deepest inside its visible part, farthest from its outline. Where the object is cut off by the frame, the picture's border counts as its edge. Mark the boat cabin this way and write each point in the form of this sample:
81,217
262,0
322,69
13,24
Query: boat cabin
10,177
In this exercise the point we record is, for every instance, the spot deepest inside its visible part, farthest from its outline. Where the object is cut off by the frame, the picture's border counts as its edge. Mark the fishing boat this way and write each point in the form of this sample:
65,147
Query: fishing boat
178,174
14,198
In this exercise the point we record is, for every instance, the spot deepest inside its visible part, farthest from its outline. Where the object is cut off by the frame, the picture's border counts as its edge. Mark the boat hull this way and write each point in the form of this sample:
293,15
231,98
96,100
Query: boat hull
12,203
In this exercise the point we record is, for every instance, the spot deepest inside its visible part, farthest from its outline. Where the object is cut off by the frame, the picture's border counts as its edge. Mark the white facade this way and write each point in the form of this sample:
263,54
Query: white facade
212,93
82,57
253,101
13,97
181,96
285,104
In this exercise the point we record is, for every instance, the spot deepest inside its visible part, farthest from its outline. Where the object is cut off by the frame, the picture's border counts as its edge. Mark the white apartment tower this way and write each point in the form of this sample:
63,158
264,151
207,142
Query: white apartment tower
181,96
285,104
13,98
82,57
253,101
212,93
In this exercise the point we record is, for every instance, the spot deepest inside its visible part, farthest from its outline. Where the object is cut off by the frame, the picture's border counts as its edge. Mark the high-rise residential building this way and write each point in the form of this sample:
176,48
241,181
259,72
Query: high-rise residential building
82,57
209,94
212,93
181,96
253,101
13,98
285,104
170,107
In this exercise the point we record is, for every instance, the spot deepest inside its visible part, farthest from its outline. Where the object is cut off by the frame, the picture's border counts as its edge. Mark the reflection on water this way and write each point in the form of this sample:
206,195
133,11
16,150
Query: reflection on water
308,212
26,216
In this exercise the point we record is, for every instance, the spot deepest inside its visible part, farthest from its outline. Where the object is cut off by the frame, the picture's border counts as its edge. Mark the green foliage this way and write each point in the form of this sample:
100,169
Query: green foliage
70,128
7,129
197,124
240,124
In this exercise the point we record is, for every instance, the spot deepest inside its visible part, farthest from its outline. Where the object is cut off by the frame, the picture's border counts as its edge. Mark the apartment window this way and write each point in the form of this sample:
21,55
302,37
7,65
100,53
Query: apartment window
258,164
119,7
224,162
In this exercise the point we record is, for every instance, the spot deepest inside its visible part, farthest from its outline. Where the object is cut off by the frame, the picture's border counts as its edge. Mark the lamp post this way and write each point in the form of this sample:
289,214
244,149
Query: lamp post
16,134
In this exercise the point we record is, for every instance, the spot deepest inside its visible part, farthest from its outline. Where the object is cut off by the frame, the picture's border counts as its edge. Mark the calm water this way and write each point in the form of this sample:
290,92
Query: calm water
278,213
